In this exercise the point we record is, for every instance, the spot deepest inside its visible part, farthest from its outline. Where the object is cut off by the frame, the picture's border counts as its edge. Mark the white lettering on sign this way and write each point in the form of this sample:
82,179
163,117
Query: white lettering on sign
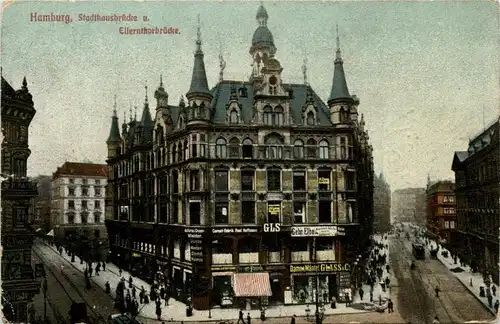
234,230
195,236
195,230
304,231
272,227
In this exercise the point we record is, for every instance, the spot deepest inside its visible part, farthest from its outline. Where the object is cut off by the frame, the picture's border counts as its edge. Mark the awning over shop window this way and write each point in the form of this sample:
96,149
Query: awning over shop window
51,233
252,284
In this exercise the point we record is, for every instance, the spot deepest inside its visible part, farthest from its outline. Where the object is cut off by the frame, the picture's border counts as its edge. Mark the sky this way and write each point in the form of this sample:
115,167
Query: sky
427,73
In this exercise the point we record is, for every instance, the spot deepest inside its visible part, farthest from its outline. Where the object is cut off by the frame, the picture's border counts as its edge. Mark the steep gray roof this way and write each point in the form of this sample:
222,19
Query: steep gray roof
263,36
339,84
114,133
262,13
147,123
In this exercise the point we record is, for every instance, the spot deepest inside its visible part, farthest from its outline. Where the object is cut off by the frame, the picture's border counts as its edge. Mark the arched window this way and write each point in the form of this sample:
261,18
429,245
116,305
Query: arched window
278,116
268,116
310,118
221,150
323,150
298,149
343,148
350,151
179,152
311,149
247,148
186,149
274,147
233,117
234,147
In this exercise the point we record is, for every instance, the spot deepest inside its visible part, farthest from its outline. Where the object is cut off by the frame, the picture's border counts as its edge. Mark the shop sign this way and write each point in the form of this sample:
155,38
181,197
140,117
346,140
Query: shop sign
194,230
223,269
162,263
258,268
325,181
272,227
230,230
322,267
195,236
136,255
274,209
344,280
309,231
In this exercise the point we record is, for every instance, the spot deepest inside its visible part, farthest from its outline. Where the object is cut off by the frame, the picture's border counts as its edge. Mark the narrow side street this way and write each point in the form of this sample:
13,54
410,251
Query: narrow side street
417,300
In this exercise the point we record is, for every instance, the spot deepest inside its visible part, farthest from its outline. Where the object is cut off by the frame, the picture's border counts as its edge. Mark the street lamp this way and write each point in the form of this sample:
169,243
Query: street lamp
45,299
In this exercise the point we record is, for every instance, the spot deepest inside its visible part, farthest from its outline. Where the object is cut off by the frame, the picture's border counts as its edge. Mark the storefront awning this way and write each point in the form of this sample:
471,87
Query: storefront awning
252,284
51,233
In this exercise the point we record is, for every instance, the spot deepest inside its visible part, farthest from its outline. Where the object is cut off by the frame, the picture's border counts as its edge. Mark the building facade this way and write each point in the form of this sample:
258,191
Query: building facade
42,201
441,211
381,204
477,193
77,209
18,281
409,205
251,189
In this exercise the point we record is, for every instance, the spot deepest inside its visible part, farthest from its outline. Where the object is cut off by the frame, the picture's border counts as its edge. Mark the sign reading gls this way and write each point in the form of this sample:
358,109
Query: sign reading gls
272,227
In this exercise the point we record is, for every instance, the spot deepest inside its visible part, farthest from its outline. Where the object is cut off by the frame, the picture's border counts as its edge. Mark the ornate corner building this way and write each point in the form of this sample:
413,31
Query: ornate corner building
477,187
441,211
18,282
249,189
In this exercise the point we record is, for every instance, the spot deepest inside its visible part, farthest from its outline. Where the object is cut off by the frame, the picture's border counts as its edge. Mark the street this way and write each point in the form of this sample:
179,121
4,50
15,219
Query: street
67,285
417,301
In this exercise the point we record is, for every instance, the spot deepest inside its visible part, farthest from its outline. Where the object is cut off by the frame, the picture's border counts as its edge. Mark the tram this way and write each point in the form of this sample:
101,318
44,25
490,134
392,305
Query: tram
418,249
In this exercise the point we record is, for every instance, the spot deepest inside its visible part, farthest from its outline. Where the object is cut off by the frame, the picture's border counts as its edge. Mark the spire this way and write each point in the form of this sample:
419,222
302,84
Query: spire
161,81
146,98
222,65
114,133
130,111
199,83
304,69
339,84
262,15
25,84
146,119
124,124
135,113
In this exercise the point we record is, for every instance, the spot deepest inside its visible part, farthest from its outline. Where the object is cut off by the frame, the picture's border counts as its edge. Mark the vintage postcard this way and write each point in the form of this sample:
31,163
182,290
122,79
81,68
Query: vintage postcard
242,162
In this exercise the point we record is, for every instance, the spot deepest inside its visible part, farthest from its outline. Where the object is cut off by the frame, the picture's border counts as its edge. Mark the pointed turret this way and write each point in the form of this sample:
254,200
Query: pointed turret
161,96
146,120
114,140
199,83
124,124
339,86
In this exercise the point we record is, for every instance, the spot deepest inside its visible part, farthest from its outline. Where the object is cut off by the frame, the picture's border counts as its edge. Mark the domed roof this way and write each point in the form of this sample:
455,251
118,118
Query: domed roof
262,13
262,36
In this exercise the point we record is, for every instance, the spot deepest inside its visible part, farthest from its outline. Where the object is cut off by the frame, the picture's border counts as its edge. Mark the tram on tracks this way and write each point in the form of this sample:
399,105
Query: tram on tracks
418,249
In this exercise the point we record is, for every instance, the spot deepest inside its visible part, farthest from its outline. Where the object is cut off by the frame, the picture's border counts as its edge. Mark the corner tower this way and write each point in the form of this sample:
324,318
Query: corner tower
114,140
262,48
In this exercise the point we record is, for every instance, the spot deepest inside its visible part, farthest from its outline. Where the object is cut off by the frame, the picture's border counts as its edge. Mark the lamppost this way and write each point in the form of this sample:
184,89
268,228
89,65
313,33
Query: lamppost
45,299
320,309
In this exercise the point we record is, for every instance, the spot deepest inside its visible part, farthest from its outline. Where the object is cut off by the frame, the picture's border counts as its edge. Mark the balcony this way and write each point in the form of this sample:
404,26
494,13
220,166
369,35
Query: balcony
302,256
274,257
327,255
222,258
252,257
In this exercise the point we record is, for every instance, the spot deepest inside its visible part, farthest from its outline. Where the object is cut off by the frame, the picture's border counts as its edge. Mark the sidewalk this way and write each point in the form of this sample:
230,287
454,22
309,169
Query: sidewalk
377,289
466,276
176,311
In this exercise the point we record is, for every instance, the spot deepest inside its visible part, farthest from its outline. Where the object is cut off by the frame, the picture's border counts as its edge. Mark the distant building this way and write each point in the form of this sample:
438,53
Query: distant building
381,204
78,192
18,283
409,205
441,210
477,193
42,201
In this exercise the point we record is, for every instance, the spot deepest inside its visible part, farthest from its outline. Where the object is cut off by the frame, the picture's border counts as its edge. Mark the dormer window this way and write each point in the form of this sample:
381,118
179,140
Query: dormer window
310,118
233,117
243,92
273,82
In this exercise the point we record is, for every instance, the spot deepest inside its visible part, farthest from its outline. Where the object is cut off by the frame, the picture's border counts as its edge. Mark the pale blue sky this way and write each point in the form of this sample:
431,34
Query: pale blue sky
424,71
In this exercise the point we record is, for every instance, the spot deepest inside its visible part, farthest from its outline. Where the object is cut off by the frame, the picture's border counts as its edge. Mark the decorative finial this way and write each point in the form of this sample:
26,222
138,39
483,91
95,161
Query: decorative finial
146,87
135,112
304,69
124,117
114,105
338,44
198,35
161,80
222,64
25,84
130,111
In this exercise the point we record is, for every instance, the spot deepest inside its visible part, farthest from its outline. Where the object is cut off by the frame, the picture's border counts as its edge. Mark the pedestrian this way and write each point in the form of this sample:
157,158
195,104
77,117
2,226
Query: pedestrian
133,291
167,297
387,267
104,266
108,288
240,317
249,319
146,299
437,290
158,312
141,297
90,271
494,290
390,306
380,300
347,299
371,296
361,293
162,292
119,272
292,321
497,303
130,281
490,300
387,282
436,320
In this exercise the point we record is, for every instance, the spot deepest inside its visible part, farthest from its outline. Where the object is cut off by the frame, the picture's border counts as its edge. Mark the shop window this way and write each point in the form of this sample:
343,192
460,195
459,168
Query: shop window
274,212
247,148
194,180
324,180
299,181
194,213
273,180
221,213
248,212
325,212
221,181
299,212
247,180
222,246
300,245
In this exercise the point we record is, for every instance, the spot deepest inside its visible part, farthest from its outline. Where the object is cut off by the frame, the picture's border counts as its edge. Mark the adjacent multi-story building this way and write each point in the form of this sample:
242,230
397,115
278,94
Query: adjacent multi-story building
18,282
250,189
477,185
42,202
381,204
409,205
77,208
441,210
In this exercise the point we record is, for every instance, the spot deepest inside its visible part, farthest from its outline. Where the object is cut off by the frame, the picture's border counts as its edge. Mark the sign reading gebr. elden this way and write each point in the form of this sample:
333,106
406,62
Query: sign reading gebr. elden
310,231
322,267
